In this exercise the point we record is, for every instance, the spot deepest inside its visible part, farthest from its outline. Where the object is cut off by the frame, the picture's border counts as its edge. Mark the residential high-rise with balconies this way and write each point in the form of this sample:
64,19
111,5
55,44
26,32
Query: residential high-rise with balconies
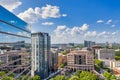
40,54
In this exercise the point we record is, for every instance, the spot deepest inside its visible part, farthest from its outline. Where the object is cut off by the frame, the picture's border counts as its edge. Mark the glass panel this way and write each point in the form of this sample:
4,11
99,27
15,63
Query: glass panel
10,18
7,28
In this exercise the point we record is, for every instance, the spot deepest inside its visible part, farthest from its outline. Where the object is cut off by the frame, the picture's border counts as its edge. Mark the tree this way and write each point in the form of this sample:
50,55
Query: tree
107,75
74,78
2,73
117,55
58,77
36,77
77,73
97,68
8,78
64,52
0,62
11,75
113,77
25,78
85,75
98,62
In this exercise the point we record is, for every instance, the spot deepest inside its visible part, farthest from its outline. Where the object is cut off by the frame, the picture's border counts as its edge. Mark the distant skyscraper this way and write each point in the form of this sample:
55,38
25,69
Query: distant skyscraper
40,54
89,44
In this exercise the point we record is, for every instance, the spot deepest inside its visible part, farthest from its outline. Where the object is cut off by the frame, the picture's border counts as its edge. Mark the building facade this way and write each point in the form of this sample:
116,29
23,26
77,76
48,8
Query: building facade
80,60
108,54
54,58
12,31
40,54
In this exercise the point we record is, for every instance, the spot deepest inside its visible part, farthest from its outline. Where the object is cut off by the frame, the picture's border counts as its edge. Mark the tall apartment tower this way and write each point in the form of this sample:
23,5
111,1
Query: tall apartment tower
40,54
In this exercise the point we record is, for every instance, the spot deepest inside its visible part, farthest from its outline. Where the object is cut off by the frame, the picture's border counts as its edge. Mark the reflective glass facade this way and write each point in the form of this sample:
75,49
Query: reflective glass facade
15,45
40,54
13,29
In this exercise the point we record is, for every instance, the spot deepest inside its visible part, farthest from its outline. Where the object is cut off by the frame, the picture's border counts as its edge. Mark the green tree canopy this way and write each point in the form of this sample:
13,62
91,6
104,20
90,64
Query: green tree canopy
117,53
2,73
85,75
64,52
25,78
109,76
58,77
77,73
74,78
99,63
36,77
8,78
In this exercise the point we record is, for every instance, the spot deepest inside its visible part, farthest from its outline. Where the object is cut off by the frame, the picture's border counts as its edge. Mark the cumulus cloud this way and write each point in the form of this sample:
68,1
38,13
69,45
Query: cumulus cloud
60,29
90,34
103,33
74,30
109,21
100,21
64,15
84,27
64,33
10,4
113,26
47,23
78,34
32,15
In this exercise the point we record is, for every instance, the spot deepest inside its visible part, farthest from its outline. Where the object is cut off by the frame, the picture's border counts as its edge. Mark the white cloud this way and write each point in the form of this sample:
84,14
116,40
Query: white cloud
10,4
114,33
109,21
65,34
60,29
63,29
47,23
84,27
90,34
32,15
100,21
103,33
113,26
50,11
64,15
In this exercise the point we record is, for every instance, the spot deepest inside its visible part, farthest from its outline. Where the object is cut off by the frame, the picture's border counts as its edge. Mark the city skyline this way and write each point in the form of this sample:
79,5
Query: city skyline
75,22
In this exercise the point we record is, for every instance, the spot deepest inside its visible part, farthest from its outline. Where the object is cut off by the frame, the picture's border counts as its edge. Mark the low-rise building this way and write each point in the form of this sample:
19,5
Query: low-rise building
108,54
62,59
111,63
80,60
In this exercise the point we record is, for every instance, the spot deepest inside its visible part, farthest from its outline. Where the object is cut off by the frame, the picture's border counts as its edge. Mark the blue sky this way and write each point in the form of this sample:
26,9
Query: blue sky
70,21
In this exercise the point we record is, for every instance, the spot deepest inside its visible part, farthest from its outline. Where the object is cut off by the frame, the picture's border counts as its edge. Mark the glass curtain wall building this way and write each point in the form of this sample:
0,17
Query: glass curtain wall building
15,42
40,64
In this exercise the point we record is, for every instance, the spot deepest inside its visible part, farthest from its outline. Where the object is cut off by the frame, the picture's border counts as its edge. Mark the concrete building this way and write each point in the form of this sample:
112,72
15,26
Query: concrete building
111,63
80,60
89,44
54,54
108,54
40,54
